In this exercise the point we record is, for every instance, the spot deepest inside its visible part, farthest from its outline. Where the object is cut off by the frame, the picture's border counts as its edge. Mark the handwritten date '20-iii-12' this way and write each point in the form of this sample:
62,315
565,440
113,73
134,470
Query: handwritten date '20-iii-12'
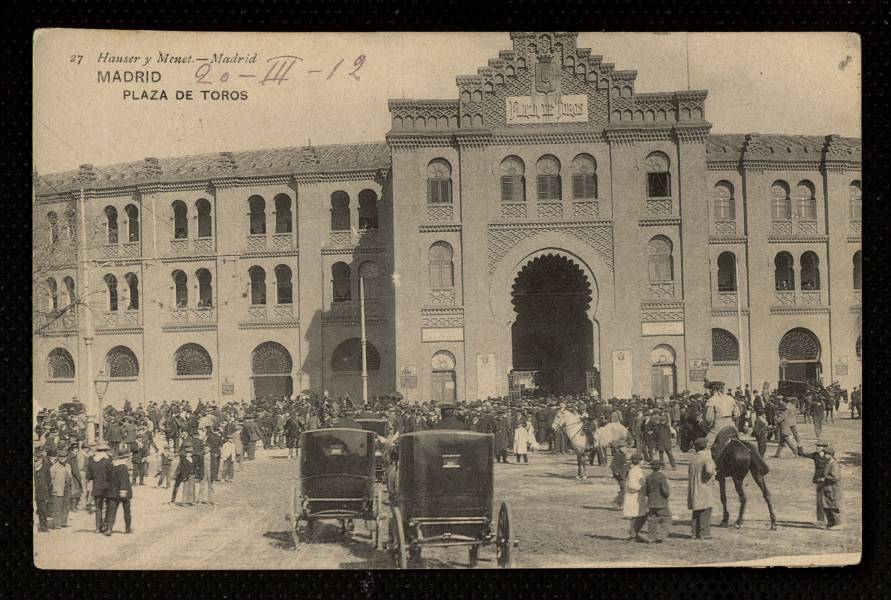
277,70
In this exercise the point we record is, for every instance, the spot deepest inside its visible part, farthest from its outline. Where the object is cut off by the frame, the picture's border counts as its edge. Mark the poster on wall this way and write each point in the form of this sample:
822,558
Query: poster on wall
698,369
841,367
408,377
486,379
623,375
228,387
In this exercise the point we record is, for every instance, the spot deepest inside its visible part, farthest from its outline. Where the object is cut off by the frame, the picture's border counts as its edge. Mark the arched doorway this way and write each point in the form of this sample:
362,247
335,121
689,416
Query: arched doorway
552,336
271,366
800,356
663,371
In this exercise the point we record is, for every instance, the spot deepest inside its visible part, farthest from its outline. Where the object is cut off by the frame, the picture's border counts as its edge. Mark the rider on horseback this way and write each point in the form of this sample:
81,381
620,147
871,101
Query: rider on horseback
721,411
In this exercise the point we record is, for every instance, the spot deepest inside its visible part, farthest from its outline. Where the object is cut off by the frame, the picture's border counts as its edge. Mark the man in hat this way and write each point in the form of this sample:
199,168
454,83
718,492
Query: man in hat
42,487
785,430
449,420
818,455
346,420
720,411
657,493
214,443
61,481
97,475
701,489
619,466
120,492
830,488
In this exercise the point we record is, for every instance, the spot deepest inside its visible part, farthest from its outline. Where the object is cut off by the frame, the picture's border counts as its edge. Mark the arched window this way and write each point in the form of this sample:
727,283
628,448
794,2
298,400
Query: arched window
69,287
258,285
284,222
661,264
348,356
133,288
727,272
443,378
367,210
60,364
283,292
810,271
52,291
180,220
855,197
725,347
805,201
658,175
181,289
548,179
53,222
340,282
132,223
442,270
271,358
205,225
725,205
780,202
70,224
513,182
340,211
784,272
257,207
584,177
800,344
111,224
192,360
111,283
205,288
858,271
439,181
368,271
121,362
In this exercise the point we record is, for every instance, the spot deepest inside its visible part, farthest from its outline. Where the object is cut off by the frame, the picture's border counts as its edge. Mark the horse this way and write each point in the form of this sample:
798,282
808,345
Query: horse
571,424
737,460
610,435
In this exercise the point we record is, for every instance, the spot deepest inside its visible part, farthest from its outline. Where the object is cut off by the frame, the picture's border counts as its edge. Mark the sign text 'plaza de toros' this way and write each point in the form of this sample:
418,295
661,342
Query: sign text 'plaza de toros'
548,226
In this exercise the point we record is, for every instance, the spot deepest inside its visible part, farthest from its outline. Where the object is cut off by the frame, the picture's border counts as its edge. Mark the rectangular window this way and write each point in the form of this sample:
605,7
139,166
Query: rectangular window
584,186
806,209
725,209
439,191
512,188
658,185
780,210
660,268
856,210
441,274
549,188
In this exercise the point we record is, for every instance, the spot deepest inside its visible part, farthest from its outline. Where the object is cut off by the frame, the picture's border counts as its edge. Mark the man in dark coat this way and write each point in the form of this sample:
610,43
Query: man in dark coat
214,443
502,437
120,492
114,434
449,420
98,475
42,488
253,435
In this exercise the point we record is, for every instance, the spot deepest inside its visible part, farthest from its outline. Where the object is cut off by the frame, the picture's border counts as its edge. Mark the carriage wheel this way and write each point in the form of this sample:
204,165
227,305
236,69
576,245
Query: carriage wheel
474,555
504,540
397,540
378,518
295,518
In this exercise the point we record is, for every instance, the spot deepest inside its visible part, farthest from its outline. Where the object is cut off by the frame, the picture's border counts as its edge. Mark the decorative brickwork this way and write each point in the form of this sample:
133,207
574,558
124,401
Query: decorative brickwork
503,238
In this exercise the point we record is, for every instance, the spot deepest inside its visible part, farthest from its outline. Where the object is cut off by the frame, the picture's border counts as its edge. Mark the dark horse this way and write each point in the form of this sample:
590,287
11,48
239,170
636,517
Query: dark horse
737,460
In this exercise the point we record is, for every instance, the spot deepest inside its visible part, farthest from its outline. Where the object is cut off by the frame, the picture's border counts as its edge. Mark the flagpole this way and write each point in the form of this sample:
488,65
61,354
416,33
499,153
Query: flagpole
364,342
88,333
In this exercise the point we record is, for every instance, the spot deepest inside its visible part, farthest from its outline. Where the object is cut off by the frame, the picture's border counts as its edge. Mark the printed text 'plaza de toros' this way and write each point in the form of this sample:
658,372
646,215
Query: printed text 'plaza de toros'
547,224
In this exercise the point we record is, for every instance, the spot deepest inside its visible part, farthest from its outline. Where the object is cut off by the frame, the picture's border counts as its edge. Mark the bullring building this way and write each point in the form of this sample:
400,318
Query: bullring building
547,226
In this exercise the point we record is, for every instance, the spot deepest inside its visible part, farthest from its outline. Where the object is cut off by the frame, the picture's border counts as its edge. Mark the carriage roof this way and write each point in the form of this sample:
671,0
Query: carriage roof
337,451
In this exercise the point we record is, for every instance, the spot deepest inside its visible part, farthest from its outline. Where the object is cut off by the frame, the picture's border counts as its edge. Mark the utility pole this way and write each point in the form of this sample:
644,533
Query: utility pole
364,341
739,320
88,329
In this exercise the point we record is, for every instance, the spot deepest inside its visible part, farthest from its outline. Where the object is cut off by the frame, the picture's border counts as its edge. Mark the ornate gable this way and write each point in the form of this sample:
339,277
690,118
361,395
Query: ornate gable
547,81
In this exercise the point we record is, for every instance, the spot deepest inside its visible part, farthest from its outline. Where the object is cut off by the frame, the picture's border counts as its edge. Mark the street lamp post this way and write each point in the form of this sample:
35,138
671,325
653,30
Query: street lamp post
101,383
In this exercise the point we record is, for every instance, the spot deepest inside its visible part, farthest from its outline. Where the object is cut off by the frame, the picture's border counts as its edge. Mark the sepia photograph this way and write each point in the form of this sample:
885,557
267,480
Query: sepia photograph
446,300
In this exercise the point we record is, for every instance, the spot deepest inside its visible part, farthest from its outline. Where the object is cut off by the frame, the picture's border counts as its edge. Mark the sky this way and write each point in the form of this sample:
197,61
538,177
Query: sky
795,83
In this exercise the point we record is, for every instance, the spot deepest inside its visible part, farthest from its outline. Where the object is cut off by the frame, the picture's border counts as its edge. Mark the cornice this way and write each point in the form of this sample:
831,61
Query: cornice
349,250
604,223
246,325
727,240
190,258
439,228
172,327
375,322
728,312
659,222
799,310
119,330
269,254
675,305
797,239
855,239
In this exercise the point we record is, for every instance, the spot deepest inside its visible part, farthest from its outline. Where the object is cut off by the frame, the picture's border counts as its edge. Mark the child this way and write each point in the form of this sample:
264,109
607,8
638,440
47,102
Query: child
634,506
164,467
659,515
521,442
227,457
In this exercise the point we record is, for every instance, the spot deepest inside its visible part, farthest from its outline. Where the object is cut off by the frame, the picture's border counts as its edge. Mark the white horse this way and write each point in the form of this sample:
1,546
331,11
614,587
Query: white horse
571,424
609,436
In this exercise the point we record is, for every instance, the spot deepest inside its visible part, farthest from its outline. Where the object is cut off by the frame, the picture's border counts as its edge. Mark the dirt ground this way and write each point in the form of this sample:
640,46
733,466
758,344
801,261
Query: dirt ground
558,521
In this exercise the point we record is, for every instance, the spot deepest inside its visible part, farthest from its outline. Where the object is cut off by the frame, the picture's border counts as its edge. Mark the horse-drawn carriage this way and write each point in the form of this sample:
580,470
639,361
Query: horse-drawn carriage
337,482
440,494
381,428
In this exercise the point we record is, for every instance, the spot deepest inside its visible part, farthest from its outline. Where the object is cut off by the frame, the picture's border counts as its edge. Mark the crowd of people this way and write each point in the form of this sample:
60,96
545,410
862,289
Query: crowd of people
190,447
